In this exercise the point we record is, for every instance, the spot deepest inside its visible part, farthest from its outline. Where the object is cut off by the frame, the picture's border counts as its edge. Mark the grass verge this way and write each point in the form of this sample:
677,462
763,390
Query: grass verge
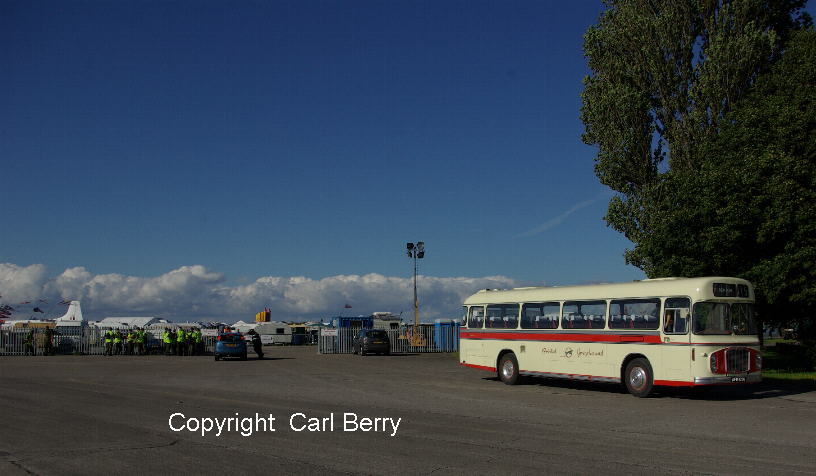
788,363
788,375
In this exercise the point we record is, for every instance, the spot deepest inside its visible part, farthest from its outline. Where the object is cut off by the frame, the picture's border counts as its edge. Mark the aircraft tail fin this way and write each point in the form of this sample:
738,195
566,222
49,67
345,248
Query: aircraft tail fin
74,312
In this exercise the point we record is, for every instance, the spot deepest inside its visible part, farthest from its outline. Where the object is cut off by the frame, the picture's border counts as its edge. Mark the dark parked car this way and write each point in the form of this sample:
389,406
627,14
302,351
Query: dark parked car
230,344
371,340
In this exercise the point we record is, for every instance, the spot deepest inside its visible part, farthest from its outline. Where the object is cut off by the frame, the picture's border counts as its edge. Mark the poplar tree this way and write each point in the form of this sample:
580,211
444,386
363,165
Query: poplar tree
662,105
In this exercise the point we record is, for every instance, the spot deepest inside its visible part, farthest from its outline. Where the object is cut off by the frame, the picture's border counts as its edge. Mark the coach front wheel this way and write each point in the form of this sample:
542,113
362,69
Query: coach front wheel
639,377
508,369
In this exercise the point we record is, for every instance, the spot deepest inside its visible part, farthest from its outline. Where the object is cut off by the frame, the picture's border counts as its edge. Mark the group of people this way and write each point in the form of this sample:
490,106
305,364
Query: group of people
181,342
134,341
44,340
130,342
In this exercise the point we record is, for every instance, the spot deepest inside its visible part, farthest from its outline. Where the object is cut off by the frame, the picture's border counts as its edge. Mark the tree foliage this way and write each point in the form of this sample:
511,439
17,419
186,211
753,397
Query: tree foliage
703,115
750,210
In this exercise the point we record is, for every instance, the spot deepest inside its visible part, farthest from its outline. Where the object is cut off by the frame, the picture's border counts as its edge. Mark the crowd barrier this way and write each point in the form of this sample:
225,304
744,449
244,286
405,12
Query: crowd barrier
89,341
434,339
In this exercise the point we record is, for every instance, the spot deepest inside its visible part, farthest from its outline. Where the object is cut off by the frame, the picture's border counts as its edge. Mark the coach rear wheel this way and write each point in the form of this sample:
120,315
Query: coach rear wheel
639,379
508,369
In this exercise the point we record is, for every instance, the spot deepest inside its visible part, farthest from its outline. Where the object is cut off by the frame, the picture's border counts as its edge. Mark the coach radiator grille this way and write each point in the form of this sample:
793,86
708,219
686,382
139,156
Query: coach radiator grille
736,360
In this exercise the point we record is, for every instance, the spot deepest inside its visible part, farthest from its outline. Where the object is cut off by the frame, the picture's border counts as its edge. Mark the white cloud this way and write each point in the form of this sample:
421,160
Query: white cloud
21,283
193,292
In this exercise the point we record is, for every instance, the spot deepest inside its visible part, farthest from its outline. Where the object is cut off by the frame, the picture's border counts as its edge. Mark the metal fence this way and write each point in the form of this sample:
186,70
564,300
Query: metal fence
436,338
89,341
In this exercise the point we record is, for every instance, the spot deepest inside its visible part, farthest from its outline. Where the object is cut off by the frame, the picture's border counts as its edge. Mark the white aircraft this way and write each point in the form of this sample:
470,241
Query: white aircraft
72,318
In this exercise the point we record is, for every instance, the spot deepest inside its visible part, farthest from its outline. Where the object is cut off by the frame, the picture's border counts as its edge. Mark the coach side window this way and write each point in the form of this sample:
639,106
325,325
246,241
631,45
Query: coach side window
584,315
634,314
502,316
476,317
676,315
536,315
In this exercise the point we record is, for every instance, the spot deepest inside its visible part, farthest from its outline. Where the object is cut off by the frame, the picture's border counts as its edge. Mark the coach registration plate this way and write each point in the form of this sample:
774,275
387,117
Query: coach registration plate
737,379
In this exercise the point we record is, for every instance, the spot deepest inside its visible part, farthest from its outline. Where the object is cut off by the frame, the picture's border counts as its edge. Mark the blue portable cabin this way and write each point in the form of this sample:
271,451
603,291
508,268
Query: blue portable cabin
446,335
359,322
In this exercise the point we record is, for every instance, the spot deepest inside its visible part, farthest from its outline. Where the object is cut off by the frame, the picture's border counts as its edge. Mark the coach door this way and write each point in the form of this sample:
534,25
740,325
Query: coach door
475,346
674,329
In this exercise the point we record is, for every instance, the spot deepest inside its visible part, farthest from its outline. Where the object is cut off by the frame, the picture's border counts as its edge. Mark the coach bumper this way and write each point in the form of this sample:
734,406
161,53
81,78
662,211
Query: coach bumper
728,379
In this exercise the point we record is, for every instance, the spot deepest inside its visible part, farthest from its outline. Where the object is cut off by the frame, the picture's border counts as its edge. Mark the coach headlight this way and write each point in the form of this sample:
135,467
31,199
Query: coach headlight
713,361
758,361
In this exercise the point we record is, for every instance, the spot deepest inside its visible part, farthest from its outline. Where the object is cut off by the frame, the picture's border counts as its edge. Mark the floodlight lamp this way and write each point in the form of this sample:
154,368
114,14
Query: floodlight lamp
420,245
410,246
421,254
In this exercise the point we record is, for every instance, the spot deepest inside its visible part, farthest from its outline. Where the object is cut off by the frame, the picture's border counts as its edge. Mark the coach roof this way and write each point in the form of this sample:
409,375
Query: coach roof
696,288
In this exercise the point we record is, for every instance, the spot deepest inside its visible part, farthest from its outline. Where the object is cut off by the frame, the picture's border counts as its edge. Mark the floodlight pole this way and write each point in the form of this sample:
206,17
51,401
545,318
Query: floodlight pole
416,251
416,301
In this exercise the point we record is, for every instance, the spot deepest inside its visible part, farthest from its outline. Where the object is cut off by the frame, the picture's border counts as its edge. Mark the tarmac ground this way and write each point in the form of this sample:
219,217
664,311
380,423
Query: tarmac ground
422,414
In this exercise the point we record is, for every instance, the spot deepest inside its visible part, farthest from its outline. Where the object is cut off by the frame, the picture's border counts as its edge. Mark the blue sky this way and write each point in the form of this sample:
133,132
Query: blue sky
300,139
